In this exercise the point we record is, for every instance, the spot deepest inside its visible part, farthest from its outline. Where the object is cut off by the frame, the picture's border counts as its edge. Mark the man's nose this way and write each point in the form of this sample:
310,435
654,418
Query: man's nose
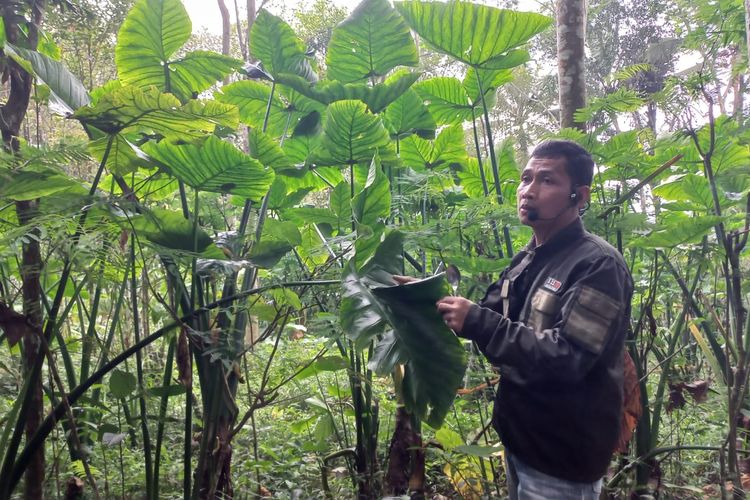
527,191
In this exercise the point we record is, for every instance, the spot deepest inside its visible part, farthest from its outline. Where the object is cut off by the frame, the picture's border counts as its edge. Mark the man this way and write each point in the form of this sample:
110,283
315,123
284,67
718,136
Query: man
555,324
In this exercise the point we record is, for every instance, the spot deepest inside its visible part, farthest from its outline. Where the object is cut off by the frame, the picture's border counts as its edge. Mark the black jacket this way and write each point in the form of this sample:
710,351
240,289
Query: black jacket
558,340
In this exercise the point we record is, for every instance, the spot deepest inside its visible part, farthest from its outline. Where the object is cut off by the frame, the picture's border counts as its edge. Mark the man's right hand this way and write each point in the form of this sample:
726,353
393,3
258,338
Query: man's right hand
402,280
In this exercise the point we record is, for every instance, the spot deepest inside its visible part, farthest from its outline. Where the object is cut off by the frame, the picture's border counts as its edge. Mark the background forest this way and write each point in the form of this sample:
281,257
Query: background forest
193,229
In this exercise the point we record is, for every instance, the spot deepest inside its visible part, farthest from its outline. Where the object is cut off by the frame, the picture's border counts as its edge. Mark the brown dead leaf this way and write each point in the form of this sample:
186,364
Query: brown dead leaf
264,492
184,370
698,389
676,398
470,390
631,408
13,324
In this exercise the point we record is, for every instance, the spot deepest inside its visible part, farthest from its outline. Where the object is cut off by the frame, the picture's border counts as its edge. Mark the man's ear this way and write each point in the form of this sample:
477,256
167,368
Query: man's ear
584,196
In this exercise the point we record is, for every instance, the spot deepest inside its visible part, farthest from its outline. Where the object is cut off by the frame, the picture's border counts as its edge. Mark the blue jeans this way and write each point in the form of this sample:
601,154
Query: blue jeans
525,483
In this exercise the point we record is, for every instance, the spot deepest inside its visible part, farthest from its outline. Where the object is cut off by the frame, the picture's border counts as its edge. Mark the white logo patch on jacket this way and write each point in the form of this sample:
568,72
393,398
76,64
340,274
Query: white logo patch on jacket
552,284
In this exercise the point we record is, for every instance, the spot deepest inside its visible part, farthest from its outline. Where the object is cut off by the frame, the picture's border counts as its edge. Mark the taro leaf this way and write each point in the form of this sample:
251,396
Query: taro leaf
367,243
676,229
387,354
447,149
151,34
374,201
13,324
471,179
432,351
267,151
689,187
34,183
352,135
121,383
373,40
340,204
377,97
67,91
252,100
123,156
150,111
276,45
311,215
409,115
324,364
490,81
446,99
361,314
215,166
281,195
168,229
478,35
277,240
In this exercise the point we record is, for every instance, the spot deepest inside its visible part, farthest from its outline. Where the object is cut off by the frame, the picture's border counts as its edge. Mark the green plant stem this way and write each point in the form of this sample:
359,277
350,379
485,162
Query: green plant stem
490,144
139,374
163,404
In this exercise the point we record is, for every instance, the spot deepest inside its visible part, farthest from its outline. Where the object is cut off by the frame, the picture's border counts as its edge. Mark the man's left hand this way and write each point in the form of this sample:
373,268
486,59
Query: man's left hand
454,311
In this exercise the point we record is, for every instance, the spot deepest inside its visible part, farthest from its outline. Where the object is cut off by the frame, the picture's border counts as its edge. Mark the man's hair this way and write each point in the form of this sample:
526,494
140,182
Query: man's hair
578,161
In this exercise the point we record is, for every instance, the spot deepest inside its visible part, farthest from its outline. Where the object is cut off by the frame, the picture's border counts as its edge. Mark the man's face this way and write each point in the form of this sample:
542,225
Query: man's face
545,189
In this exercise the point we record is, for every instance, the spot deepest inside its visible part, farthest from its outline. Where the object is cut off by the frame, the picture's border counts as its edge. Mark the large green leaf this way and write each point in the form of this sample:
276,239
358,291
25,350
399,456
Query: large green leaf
408,115
351,135
689,187
377,97
478,35
123,156
373,40
121,383
30,184
361,315
252,99
447,149
68,94
169,229
432,351
278,239
374,201
276,45
148,39
129,109
471,179
340,203
267,151
446,99
489,80
677,228
215,165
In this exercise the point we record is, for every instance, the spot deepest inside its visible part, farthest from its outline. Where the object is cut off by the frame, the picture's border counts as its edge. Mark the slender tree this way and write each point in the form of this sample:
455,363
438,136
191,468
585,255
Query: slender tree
571,38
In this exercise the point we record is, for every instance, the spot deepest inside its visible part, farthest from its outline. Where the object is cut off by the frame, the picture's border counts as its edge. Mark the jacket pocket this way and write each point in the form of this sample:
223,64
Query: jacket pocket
544,307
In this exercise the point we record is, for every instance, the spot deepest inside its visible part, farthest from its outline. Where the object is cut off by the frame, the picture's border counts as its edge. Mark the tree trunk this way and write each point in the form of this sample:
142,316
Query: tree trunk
571,38
225,31
250,21
13,113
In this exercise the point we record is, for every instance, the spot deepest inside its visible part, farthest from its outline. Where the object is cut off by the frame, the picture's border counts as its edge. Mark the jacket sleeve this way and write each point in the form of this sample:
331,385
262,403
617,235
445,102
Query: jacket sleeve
593,314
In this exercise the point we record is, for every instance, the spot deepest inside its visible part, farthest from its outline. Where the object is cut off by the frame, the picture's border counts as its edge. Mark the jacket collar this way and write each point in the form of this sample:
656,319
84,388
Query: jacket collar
561,239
